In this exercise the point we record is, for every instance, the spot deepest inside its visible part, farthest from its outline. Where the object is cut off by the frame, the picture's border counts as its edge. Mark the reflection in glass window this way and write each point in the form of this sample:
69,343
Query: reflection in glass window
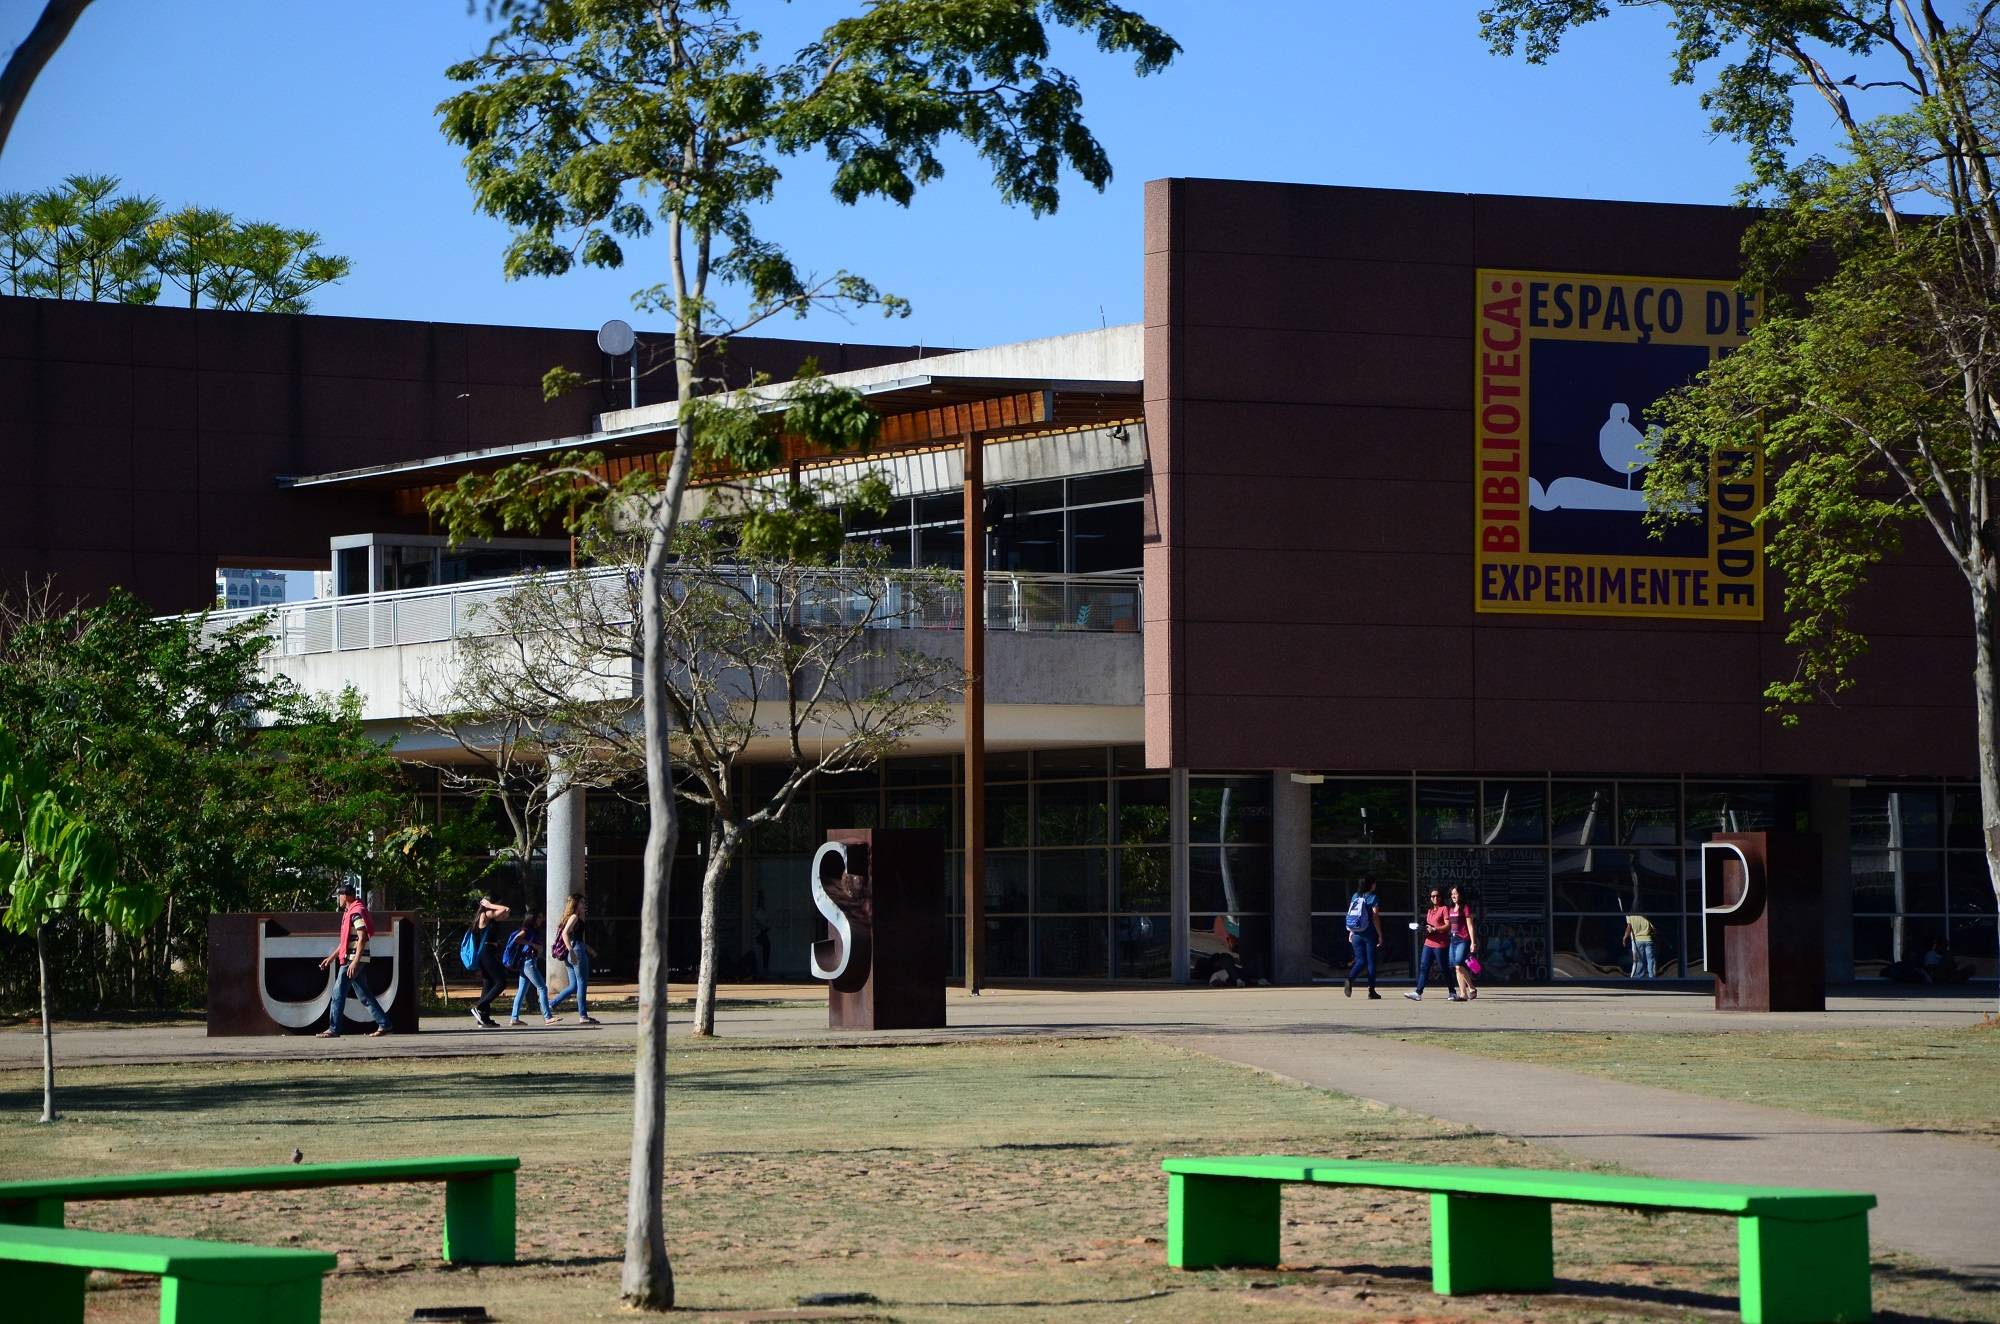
1511,813
1580,814
1070,881
1337,875
1899,882
1971,886
1008,822
1883,818
1007,882
1234,946
1070,813
1617,882
1447,812
1738,807
1072,948
921,809
1145,879
1236,880
1361,812
1007,948
1648,814
1143,946
1229,809
1144,812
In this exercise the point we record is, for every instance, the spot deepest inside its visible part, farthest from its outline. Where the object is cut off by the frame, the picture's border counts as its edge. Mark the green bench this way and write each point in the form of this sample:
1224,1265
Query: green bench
1802,1255
478,1194
43,1270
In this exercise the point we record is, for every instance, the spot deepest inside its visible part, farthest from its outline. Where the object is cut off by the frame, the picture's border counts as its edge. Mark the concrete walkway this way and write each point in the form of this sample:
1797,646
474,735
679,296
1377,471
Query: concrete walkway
1940,1197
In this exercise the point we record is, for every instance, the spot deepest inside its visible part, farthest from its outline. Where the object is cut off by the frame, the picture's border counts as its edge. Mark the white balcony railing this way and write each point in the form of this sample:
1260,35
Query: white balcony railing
1023,602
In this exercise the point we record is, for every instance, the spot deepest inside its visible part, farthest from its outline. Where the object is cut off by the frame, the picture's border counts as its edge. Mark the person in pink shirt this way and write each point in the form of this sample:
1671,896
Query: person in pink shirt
350,951
1437,929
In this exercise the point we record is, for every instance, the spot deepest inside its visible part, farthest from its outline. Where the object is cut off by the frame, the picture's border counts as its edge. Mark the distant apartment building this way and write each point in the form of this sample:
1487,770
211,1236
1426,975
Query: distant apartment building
249,588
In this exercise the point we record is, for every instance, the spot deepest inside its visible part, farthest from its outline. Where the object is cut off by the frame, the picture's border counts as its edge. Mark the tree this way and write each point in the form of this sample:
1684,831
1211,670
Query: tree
1873,399
54,861
218,786
28,59
590,124
787,649
78,241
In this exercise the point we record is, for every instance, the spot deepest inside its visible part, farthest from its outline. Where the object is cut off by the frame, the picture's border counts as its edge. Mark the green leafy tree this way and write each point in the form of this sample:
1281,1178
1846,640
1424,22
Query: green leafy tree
53,861
219,786
591,125
1873,399
79,241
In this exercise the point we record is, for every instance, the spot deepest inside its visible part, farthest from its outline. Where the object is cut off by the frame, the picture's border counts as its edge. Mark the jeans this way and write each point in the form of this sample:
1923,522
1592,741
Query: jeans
1642,959
531,973
493,977
359,982
578,961
1461,948
1364,957
1428,955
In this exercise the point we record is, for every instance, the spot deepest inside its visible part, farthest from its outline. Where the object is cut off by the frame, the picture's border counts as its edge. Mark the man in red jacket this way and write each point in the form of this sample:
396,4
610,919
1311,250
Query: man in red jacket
350,949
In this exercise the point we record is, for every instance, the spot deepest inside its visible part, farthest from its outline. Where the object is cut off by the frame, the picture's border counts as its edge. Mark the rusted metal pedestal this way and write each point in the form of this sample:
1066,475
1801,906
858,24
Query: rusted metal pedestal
887,953
1763,932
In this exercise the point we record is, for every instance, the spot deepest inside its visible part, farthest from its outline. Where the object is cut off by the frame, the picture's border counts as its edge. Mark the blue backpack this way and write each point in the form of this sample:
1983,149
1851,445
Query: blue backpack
468,948
515,953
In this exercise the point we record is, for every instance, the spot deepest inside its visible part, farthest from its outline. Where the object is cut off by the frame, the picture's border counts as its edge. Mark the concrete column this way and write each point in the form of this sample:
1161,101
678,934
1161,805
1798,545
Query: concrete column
1829,817
1291,880
566,862
1177,809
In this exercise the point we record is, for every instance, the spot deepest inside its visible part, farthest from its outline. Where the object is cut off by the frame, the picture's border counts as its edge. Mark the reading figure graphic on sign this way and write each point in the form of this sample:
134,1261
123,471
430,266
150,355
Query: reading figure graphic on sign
1623,449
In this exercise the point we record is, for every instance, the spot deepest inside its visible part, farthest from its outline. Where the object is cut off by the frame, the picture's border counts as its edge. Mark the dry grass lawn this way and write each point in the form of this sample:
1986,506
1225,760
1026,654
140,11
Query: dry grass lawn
971,1181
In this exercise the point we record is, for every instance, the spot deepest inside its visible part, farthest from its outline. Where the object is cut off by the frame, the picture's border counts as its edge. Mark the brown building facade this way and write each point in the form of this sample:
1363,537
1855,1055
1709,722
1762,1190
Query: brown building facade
1311,370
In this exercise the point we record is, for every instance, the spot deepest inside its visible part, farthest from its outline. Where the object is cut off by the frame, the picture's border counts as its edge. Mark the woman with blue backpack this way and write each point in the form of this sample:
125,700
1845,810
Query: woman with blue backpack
484,959
523,955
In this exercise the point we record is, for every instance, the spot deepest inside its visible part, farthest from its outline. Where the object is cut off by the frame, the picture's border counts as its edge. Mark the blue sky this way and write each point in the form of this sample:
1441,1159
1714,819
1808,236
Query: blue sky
323,116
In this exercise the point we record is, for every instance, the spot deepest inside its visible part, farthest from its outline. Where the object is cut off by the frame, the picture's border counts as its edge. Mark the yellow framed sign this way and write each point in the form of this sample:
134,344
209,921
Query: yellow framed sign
1565,368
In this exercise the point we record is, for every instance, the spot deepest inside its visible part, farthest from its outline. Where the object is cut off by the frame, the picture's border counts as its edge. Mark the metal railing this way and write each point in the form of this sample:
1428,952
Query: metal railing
1014,602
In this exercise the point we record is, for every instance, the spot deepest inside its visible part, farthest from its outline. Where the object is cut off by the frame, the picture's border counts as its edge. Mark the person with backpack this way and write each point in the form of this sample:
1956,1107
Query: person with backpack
569,947
485,959
523,956
1364,934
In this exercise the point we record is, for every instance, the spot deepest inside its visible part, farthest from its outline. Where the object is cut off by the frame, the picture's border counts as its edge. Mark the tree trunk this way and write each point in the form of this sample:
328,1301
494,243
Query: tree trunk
722,849
1985,621
48,1029
648,1281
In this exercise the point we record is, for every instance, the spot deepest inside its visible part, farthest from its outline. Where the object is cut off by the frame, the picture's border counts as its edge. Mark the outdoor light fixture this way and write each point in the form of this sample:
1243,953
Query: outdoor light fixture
1308,778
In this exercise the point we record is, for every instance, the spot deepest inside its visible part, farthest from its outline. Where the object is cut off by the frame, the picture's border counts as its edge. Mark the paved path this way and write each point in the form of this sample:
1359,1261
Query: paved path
792,1013
1940,1197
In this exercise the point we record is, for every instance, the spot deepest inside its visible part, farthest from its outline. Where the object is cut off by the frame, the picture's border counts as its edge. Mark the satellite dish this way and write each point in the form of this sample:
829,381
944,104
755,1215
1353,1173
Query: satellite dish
615,338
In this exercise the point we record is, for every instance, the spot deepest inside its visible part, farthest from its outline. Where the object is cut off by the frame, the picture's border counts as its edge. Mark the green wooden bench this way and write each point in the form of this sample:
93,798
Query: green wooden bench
478,1194
1802,1255
43,1269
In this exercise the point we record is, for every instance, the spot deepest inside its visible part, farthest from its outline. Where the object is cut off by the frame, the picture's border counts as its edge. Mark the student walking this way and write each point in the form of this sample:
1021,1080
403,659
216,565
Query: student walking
1437,932
524,953
350,951
569,947
1463,934
1364,934
492,974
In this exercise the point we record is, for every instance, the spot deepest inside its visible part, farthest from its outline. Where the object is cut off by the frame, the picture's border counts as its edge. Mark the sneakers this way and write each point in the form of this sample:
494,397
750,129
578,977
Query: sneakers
1373,994
1414,997
1453,997
1349,990
479,1020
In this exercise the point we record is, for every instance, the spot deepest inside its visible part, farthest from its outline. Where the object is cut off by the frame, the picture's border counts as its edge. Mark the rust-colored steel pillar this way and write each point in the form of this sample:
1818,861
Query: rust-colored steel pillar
975,715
